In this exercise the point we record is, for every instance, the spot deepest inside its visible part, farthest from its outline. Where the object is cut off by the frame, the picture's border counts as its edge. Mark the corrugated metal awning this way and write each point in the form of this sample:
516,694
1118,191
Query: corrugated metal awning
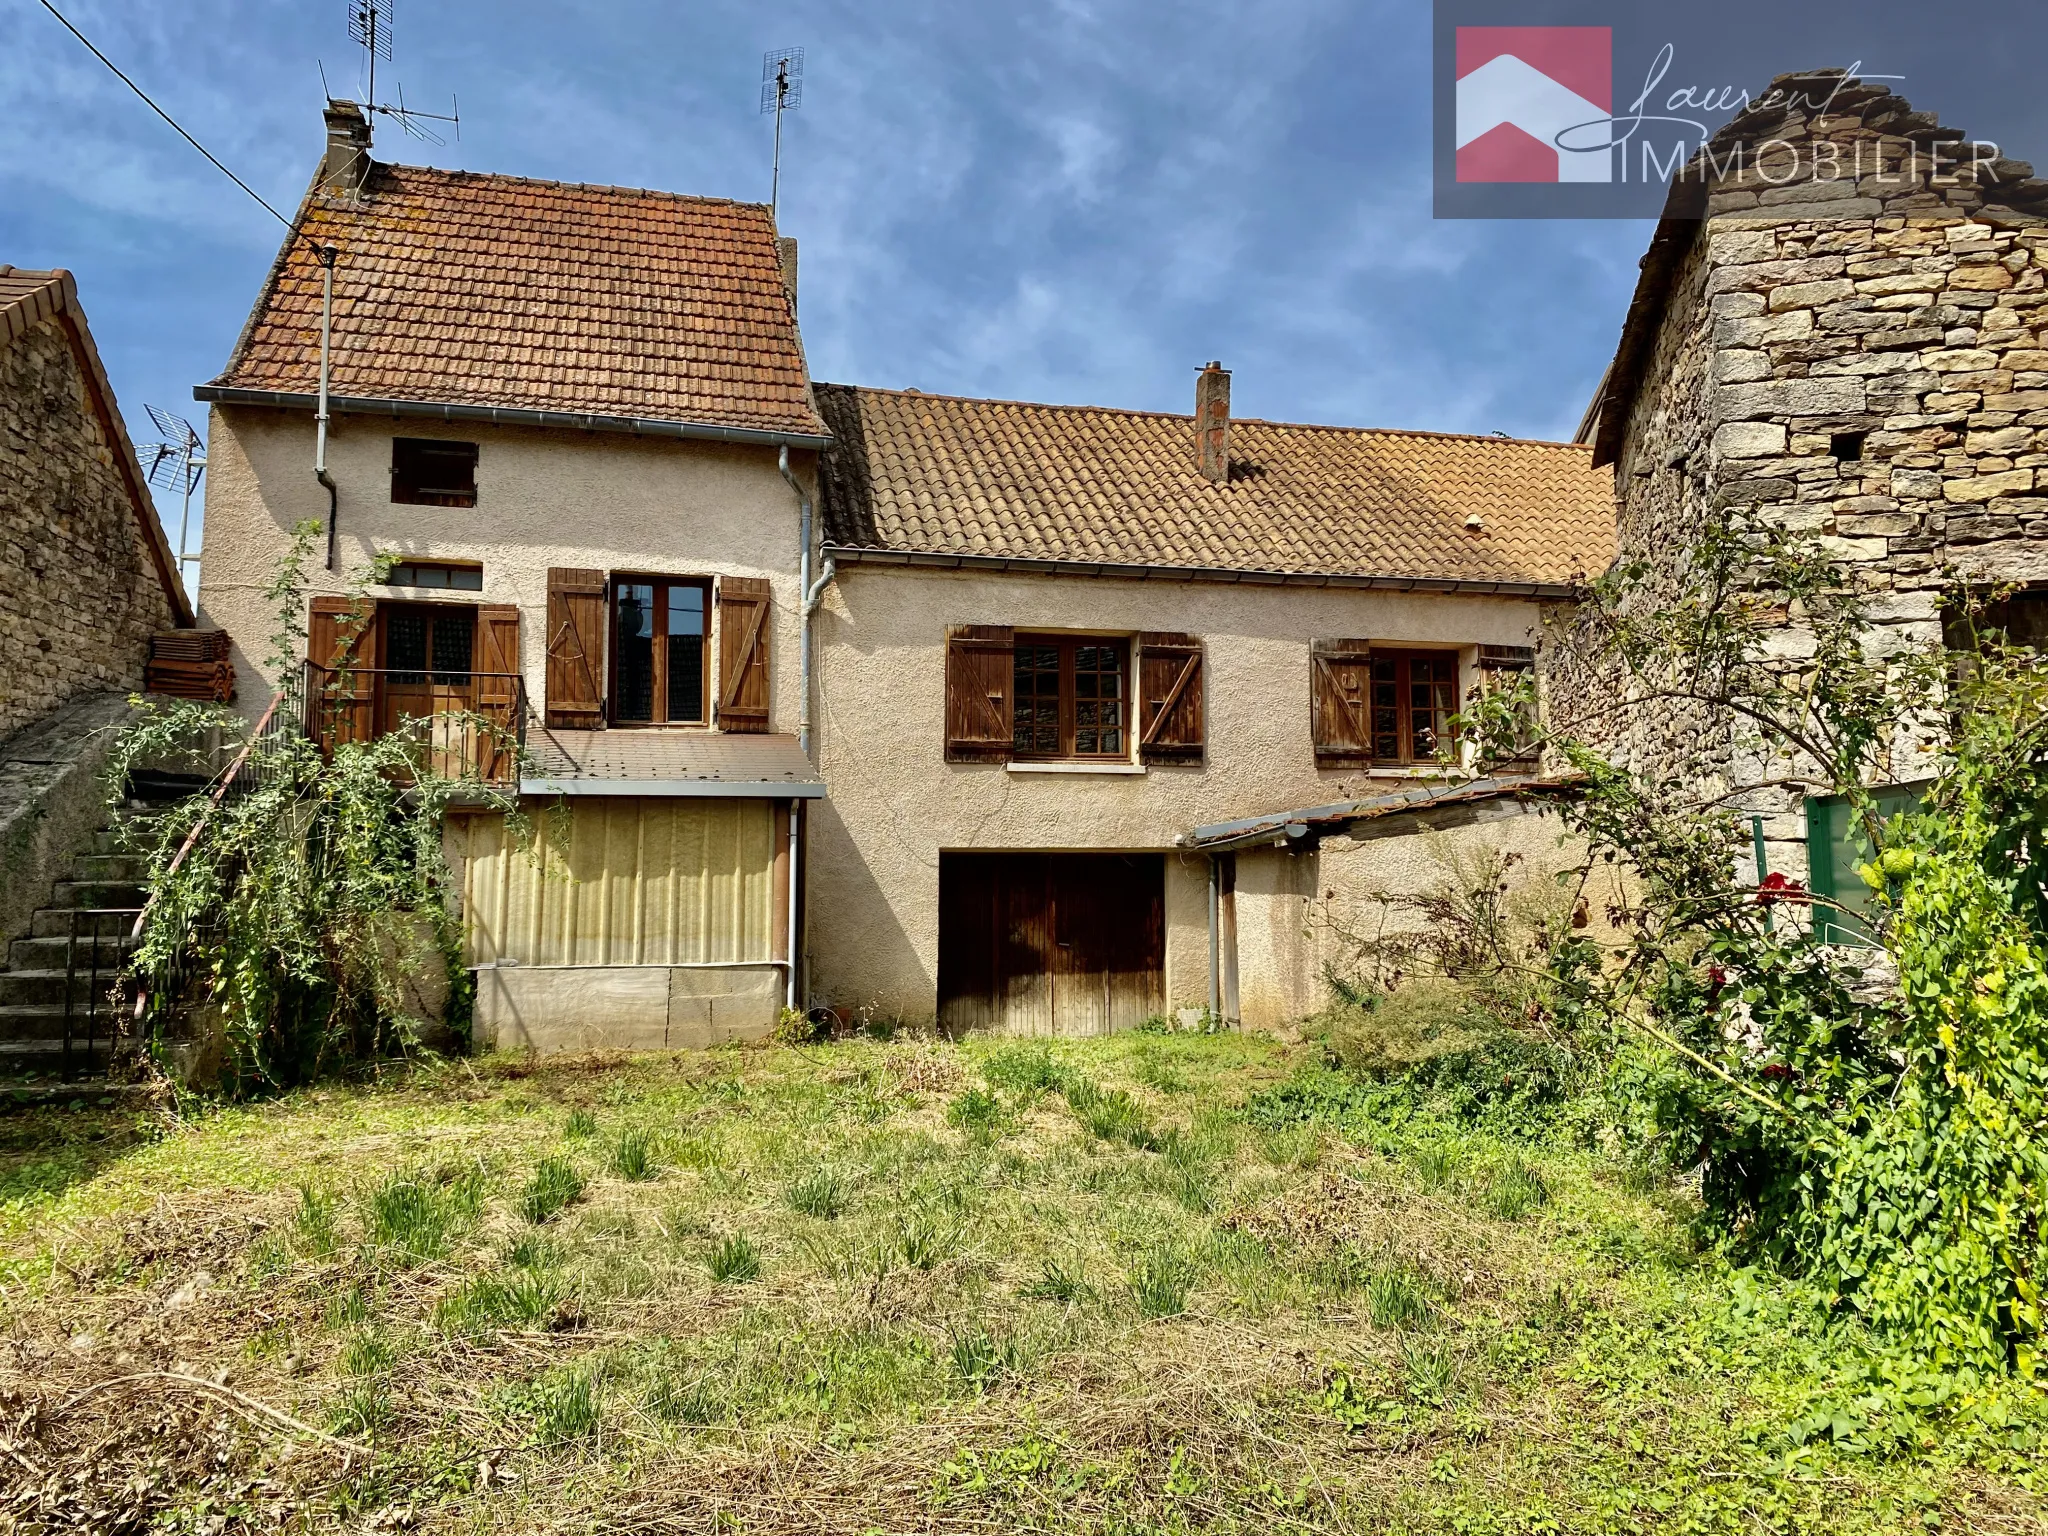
658,762
1282,827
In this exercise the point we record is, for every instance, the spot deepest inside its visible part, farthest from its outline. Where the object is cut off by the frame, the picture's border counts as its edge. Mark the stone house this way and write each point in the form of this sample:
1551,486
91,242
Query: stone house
1847,335
854,698
86,578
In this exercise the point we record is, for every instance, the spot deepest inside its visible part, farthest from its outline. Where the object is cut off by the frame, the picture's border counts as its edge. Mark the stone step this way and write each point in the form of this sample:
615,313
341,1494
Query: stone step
108,922
45,1021
110,866
44,988
47,1056
49,953
96,894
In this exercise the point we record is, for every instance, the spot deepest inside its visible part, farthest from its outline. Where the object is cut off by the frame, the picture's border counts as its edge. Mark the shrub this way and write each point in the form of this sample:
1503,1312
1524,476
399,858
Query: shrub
554,1187
734,1260
818,1193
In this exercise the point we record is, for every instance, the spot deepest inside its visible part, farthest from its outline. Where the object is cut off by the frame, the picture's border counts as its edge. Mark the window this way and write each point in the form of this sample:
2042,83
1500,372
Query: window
1072,697
658,630
2018,618
1837,842
437,574
429,643
1414,695
431,472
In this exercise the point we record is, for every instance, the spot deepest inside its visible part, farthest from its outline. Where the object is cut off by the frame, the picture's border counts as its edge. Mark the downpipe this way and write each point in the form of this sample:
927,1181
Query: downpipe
812,593
328,254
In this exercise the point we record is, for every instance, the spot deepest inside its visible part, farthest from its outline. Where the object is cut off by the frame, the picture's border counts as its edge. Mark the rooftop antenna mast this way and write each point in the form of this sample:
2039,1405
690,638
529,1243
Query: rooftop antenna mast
782,89
175,464
369,23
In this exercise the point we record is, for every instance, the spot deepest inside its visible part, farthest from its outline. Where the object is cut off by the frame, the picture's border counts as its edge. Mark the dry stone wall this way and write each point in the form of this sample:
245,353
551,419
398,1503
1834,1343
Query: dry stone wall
1861,353
79,594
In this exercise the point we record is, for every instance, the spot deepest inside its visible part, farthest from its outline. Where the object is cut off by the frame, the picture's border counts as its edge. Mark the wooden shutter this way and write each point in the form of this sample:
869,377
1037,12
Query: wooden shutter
1507,666
497,684
341,642
744,607
1340,702
1171,708
981,663
575,680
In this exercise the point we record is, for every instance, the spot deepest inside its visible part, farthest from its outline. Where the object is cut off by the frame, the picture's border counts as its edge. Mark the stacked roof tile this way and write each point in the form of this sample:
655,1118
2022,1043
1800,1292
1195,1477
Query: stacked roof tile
467,289
935,475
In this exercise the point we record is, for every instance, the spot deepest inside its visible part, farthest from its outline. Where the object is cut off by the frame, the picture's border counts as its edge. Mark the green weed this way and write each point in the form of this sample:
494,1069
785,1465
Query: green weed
819,1193
693,1403
1160,1282
1396,1297
316,1221
361,1409
734,1260
1513,1190
1430,1368
1024,1068
581,1125
554,1187
565,1404
525,1296
979,1113
351,1309
633,1157
978,1358
1054,1283
1436,1163
365,1354
415,1216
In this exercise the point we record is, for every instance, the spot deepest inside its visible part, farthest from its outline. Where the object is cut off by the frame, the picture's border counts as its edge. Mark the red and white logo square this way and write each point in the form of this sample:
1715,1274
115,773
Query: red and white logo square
1519,88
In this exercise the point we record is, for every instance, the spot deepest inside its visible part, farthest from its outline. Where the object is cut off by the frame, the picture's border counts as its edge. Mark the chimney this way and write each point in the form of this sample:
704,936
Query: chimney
785,251
1212,422
346,165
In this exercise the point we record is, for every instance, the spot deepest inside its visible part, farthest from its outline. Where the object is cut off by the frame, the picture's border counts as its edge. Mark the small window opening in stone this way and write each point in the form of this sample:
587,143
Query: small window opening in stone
1847,447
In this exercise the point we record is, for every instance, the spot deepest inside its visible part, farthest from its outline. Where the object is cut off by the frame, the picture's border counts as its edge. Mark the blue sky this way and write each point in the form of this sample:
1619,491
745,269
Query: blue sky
1066,200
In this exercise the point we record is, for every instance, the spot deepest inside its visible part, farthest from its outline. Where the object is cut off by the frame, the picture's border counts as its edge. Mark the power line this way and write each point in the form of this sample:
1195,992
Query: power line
160,112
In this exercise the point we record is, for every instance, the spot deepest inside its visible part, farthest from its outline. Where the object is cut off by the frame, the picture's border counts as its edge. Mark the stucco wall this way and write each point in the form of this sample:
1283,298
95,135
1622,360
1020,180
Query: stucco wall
896,803
79,591
544,498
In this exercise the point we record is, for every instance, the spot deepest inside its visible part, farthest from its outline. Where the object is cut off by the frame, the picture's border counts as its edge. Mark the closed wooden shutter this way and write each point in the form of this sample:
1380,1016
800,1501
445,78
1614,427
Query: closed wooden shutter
1506,667
341,642
744,607
575,680
1171,709
1340,702
981,664
497,683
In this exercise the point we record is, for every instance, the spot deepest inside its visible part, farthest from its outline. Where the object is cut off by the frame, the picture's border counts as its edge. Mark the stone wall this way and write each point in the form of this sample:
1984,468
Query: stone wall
1860,352
79,592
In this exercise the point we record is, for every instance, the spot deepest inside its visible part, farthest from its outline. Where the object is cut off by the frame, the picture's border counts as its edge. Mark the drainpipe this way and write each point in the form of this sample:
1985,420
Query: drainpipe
795,885
327,255
1215,938
811,592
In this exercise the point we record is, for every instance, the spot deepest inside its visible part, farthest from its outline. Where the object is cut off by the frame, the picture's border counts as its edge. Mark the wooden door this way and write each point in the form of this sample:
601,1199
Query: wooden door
429,652
1051,943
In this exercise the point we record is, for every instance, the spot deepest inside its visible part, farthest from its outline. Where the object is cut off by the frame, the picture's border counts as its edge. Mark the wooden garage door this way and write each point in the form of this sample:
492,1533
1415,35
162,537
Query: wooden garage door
1051,943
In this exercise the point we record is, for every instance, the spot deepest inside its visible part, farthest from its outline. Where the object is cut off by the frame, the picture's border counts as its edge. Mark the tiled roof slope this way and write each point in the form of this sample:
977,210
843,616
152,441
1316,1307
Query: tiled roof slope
938,475
455,287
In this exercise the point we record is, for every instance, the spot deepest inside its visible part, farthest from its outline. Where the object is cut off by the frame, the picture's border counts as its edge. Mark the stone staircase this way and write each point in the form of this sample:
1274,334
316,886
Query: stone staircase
74,948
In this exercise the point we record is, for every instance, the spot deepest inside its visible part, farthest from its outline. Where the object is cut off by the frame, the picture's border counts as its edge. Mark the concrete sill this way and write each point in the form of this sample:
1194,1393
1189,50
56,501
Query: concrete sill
1108,768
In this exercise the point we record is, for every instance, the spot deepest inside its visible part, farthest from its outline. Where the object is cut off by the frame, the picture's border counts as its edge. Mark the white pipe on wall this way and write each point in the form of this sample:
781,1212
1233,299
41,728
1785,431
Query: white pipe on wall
795,886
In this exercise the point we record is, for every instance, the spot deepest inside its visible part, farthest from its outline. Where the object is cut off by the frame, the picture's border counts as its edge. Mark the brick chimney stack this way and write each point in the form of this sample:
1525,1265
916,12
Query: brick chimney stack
1212,422
346,165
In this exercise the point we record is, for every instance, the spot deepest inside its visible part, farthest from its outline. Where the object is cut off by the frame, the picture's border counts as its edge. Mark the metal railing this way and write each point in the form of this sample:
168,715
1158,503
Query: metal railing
466,724
101,1005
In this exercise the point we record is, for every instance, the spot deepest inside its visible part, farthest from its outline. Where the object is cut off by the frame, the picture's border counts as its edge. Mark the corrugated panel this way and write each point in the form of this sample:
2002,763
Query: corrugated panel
625,882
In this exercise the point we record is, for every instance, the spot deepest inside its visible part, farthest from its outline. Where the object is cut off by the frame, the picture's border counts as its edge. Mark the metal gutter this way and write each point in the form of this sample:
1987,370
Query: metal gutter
509,416
1555,591
720,789
1283,827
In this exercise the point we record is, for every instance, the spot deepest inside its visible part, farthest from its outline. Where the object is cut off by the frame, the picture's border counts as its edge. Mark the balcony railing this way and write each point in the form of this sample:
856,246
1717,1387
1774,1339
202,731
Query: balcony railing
465,724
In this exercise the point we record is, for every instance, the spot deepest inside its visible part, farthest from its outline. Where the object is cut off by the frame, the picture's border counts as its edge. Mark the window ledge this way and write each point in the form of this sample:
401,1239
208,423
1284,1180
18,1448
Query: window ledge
1109,768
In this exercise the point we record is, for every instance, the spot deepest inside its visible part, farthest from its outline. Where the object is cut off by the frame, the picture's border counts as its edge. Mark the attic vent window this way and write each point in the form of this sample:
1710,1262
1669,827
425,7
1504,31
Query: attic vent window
1847,447
432,472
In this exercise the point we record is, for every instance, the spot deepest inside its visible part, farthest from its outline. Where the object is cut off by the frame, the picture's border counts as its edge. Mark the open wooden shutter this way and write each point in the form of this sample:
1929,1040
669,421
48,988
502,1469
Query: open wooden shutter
1171,708
575,681
1504,667
341,685
981,664
498,683
744,607
1340,702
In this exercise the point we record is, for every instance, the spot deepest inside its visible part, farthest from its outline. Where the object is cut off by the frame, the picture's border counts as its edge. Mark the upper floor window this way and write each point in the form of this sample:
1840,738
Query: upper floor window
433,472
1414,695
443,575
659,627
1072,697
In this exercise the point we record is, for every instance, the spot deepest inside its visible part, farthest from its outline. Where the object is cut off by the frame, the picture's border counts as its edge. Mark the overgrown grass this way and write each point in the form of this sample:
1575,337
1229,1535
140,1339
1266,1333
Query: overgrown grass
1167,1282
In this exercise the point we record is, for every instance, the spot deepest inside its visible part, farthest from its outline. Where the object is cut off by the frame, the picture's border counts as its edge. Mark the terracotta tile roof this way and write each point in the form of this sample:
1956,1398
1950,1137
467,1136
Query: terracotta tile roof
467,289
938,475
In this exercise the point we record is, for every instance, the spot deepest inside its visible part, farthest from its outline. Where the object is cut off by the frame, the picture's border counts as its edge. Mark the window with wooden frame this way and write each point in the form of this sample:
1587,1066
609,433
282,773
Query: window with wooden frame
446,575
659,655
433,472
1414,695
1071,697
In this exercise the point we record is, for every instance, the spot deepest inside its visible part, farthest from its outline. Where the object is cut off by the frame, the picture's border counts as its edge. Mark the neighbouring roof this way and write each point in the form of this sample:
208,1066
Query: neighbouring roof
1301,828
27,298
497,291
939,478
656,762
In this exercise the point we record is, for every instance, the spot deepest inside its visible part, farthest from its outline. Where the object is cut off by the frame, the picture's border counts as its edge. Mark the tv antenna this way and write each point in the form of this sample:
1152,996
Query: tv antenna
369,23
782,90
175,465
